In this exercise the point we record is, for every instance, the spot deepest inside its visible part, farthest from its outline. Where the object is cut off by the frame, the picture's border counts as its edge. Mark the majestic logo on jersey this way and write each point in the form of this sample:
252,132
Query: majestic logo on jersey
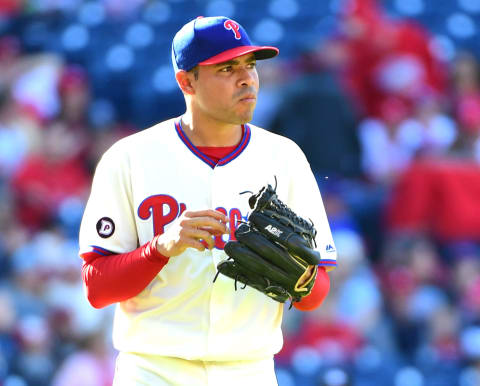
105,227
163,209
329,248
234,27
274,231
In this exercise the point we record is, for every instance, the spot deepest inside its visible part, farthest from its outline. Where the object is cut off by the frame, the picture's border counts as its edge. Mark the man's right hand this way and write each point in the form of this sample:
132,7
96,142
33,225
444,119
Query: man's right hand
190,229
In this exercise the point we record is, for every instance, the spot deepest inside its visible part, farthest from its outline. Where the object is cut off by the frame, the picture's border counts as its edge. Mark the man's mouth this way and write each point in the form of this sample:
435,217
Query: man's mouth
248,98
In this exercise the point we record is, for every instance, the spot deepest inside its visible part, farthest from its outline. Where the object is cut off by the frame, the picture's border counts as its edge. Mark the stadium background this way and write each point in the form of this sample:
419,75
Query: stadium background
384,97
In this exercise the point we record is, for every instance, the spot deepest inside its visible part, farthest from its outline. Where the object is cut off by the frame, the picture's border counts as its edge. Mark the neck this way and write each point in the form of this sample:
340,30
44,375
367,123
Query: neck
205,131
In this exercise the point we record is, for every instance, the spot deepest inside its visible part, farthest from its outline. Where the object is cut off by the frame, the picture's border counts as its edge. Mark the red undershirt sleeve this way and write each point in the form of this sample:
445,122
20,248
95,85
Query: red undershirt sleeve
319,292
109,279
118,277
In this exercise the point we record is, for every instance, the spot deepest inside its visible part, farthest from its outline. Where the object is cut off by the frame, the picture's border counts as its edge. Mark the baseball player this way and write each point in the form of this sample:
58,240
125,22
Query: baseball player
165,201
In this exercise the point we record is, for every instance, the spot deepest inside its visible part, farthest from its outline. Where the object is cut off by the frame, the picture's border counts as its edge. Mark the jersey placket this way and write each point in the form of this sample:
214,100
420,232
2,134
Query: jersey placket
217,255
219,197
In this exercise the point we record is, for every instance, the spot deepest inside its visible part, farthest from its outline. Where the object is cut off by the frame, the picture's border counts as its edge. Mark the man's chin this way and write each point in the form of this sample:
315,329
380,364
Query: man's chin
245,118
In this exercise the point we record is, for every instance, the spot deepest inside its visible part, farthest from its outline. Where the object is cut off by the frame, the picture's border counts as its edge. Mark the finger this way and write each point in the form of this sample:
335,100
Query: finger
213,232
197,244
210,242
207,223
207,213
195,233
200,234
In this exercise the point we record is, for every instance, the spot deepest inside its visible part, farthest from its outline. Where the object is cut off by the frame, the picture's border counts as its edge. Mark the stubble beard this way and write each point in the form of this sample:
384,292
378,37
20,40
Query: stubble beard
245,116
237,118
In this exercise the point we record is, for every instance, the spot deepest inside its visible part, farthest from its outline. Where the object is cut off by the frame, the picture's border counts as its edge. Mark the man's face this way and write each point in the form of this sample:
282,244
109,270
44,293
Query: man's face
227,92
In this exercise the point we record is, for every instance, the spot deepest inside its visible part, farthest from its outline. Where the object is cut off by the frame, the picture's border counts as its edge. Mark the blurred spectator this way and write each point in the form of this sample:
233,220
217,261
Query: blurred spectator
74,92
315,113
465,75
434,131
390,144
47,178
363,310
466,106
437,198
274,77
386,151
463,257
35,84
386,58
35,362
92,365
19,134
413,278
444,328
10,50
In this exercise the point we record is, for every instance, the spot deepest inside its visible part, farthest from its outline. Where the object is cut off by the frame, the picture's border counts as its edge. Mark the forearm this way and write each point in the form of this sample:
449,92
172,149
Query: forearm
115,278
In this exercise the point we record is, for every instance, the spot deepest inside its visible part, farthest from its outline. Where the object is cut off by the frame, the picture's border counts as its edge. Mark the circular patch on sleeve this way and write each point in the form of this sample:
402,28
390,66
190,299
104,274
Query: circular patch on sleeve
105,227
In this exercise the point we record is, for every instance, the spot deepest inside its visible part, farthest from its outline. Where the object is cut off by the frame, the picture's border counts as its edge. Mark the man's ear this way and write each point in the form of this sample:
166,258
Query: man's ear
184,80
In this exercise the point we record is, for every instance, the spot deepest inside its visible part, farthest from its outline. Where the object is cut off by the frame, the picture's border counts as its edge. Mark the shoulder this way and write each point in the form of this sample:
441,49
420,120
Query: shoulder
260,134
161,132
276,142
140,142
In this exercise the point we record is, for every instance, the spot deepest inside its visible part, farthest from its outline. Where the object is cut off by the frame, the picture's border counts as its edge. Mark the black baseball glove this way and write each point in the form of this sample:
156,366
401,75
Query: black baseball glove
274,252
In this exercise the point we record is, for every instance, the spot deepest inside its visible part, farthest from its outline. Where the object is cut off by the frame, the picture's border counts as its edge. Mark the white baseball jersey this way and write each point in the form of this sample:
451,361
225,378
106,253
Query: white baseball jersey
141,185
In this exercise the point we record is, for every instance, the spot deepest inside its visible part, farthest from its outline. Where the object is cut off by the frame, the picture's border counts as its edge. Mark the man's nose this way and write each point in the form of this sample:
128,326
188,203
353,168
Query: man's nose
247,78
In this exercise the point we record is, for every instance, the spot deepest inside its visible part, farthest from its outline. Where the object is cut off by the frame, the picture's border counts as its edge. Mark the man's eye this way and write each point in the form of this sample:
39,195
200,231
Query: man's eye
226,69
252,65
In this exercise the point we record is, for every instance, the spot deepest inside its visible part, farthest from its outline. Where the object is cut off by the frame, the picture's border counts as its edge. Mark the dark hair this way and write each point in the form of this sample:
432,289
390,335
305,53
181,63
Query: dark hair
194,71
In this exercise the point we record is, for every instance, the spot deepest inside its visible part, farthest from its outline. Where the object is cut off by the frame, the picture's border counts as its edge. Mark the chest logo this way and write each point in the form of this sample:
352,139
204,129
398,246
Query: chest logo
163,209
105,227
274,231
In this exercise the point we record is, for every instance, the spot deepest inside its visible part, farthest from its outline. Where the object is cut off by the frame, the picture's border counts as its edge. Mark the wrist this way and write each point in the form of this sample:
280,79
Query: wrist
153,251
159,247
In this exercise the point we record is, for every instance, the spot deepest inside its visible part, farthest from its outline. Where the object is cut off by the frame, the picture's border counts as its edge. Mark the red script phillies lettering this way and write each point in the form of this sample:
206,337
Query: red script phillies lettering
155,206
164,209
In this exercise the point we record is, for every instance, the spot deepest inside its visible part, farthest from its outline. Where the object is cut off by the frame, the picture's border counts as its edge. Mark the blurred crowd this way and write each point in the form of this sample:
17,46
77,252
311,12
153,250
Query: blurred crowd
391,129
47,155
392,132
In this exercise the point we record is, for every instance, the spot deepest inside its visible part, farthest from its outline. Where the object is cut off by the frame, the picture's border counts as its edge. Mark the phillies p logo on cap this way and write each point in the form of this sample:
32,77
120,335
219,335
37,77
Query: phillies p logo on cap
231,25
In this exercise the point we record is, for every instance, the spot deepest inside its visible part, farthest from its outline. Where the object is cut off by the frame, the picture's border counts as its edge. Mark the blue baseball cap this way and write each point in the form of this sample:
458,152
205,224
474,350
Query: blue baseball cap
212,40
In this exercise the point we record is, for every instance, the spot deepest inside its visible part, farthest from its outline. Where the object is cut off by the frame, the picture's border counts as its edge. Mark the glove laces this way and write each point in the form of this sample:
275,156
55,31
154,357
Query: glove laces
267,199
